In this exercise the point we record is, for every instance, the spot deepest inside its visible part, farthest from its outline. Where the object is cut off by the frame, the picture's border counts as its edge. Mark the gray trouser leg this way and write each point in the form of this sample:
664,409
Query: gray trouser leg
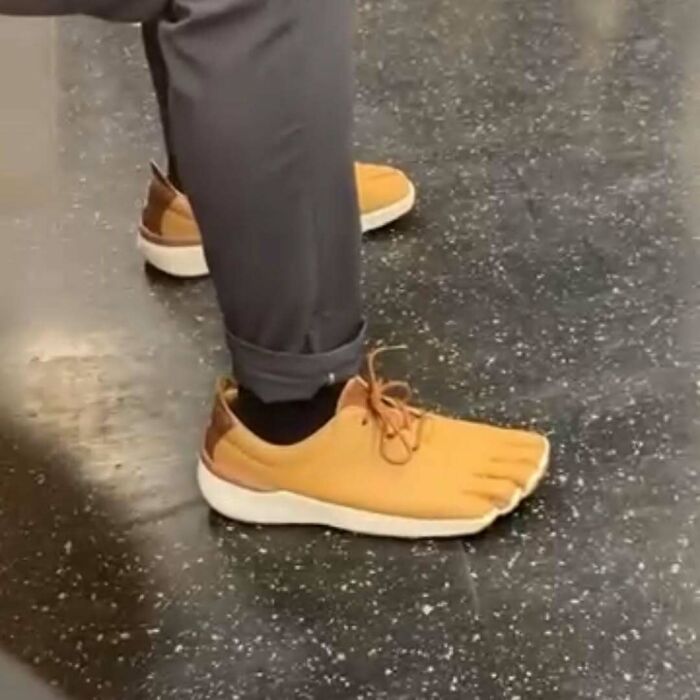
260,100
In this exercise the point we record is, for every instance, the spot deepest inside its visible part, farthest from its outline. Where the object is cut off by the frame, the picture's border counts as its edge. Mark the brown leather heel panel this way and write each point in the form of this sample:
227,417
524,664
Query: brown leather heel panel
220,423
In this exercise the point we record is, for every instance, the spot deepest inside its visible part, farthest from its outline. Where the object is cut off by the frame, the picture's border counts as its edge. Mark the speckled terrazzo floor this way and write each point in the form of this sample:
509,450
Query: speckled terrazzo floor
549,276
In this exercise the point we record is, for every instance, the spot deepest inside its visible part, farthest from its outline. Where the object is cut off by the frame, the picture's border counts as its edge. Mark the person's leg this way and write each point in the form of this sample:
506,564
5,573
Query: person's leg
268,167
260,106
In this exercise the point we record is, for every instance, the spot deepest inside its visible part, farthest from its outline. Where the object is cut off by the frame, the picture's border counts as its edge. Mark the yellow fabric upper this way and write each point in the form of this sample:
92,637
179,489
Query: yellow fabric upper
453,469
380,186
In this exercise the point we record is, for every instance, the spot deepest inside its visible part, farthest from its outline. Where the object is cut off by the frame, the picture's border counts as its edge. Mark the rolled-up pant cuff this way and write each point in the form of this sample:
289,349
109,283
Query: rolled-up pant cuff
280,376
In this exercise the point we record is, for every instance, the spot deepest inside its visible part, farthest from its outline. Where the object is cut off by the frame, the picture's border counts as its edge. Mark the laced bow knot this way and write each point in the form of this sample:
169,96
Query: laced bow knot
388,402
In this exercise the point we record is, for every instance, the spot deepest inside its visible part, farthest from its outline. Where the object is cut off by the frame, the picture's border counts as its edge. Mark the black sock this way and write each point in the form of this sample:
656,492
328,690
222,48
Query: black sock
288,422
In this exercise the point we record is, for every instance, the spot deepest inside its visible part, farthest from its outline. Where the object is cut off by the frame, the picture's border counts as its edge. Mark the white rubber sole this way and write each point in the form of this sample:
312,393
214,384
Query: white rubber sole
178,261
286,508
384,217
189,261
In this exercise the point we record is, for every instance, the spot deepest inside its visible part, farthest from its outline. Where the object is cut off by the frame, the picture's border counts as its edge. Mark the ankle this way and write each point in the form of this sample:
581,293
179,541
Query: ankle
290,421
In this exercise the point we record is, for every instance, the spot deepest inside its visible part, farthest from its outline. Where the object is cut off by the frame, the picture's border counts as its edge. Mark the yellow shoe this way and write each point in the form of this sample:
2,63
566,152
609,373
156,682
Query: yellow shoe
379,467
169,237
386,194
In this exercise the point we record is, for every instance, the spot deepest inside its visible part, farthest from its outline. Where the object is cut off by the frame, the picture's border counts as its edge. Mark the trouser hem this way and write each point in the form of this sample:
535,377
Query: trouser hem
279,376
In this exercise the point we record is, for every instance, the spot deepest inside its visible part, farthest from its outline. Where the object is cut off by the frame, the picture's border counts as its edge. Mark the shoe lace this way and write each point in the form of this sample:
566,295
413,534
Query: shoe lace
388,402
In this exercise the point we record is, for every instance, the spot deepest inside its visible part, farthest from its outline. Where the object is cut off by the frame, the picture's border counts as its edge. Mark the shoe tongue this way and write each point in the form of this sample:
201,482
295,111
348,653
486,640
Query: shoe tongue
354,394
